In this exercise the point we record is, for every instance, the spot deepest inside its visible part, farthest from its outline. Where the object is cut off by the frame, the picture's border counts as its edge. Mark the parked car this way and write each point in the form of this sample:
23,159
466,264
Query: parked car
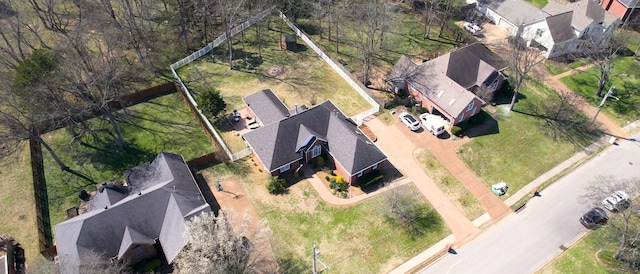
432,123
617,201
409,121
594,218
472,28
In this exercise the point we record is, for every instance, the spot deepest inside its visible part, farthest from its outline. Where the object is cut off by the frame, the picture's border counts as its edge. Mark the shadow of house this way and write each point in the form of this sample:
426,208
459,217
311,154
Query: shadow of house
128,223
447,85
290,138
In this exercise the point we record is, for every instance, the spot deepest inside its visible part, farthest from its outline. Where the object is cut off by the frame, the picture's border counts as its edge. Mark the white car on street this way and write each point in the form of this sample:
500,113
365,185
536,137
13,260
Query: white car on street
410,121
617,201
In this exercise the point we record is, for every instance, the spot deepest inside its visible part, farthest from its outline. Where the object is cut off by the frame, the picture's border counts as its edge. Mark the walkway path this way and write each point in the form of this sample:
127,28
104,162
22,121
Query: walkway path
608,125
399,150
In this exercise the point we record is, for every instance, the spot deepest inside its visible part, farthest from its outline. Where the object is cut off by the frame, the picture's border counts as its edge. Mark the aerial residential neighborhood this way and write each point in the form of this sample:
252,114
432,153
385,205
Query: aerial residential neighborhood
365,136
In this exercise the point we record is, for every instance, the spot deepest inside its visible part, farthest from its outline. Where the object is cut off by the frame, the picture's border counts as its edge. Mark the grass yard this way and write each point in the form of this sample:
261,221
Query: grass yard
521,147
626,79
581,258
538,3
161,124
555,67
18,212
455,191
353,239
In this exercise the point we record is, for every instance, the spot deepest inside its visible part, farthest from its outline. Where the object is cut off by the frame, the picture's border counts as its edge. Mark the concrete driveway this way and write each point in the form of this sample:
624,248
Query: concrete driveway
399,150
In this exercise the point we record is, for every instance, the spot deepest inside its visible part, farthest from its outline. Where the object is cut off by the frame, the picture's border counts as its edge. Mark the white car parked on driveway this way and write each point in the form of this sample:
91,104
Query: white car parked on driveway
410,121
617,201
472,28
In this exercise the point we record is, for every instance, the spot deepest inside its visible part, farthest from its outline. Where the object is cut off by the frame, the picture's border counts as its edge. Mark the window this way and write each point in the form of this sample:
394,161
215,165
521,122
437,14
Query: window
494,86
470,106
315,152
138,252
374,167
285,168
359,174
461,118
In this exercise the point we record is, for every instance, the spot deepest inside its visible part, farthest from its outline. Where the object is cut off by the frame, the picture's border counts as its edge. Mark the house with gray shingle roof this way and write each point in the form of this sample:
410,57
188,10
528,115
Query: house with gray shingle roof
303,134
558,28
130,222
448,84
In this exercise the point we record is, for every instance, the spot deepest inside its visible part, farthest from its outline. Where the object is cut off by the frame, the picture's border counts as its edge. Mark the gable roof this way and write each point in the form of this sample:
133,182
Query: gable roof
584,13
629,3
451,75
472,65
560,27
516,11
162,196
266,106
279,143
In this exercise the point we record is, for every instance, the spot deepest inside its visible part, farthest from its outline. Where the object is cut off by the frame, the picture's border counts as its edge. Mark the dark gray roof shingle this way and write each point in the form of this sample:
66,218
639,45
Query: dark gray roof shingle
560,27
266,106
277,144
165,197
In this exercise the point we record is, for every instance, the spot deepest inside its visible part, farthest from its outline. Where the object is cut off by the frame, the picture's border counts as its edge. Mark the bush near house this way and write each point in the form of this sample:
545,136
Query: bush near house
275,185
370,178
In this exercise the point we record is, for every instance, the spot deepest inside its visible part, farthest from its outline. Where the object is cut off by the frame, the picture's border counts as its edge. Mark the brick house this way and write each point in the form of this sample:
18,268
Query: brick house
290,138
447,85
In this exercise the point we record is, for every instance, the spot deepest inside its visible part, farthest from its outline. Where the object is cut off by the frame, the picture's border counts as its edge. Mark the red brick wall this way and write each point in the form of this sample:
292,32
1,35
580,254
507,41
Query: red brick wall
342,172
615,7
308,154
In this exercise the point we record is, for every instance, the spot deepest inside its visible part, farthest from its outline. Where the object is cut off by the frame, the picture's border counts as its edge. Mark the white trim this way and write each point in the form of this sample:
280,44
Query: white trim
374,166
278,168
313,151
359,174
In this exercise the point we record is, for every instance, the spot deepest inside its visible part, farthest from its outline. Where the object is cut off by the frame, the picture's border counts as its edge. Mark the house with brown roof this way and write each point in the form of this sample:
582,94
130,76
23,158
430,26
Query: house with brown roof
290,138
447,85
624,9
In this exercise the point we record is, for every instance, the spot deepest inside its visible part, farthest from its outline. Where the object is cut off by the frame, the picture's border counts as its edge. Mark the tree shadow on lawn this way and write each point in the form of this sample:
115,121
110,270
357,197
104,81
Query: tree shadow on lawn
488,126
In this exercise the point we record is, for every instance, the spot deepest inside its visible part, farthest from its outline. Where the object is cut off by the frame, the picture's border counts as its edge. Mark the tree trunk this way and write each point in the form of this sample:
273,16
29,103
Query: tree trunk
513,100
119,139
337,38
50,150
230,46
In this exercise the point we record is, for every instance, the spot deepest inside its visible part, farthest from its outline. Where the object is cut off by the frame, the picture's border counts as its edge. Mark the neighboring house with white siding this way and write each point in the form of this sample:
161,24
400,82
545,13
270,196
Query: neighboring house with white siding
557,29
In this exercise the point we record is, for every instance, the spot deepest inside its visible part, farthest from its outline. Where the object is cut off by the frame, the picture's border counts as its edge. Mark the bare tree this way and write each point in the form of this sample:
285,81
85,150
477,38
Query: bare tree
369,19
214,246
231,12
602,55
406,71
624,225
90,262
404,207
521,59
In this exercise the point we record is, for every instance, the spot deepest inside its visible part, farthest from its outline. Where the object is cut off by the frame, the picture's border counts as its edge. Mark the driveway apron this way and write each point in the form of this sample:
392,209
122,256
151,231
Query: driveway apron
399,150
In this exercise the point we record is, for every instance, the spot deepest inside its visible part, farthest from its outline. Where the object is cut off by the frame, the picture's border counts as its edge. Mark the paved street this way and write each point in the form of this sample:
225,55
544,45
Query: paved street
524,242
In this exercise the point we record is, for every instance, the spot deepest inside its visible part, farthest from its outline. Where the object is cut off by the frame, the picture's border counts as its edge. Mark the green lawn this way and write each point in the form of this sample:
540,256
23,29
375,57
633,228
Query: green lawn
455,191
626,79
353,239
520,148
581,258
538,3
556,68
161,124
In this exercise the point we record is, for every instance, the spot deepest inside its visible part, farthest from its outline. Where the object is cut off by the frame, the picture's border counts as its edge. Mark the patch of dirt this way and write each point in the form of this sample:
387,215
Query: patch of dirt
276,71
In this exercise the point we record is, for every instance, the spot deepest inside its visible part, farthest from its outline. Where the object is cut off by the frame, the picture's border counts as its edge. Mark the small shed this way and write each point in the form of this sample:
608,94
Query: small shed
290,41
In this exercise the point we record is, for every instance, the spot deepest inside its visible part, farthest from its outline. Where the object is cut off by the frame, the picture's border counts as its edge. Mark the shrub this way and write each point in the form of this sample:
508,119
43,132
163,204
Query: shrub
456,130
296,174
320,161
370,178
327,178
275,185
332,172
151,265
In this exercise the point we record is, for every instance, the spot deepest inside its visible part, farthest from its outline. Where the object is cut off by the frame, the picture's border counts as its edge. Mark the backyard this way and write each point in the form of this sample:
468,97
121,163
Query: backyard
296,77
160,124
355,239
